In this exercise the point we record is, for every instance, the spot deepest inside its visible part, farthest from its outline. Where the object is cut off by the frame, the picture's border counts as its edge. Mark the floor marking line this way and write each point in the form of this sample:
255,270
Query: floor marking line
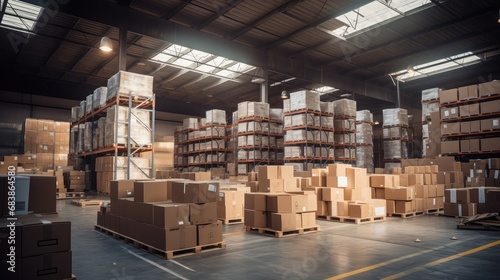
154,264
443,260
180,264
375,266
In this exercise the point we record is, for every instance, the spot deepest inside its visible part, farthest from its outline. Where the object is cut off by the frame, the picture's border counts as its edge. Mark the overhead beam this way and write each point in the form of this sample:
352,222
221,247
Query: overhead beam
248,27
297,32
218,14
4,8
176,10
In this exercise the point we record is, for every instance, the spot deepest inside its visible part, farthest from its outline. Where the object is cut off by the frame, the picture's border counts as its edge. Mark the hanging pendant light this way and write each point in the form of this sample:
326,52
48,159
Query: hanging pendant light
106,44
284,94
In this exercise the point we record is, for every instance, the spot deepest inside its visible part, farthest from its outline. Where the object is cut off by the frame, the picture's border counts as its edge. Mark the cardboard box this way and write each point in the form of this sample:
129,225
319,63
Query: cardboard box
450,128
268,172
419,204
322,208
230,205
308,219
210,234
381,181
286,221
336,181
255,218
463,94
337,169
449,112
432,190
457,195
490,124
291,184
179,238
343,208
38,235
490,144
464,127
460,209
318,177
332,194
421,191
285,203
358,194
440,190
170,215
464,146
475,126
378,207
205,213
359,210
256,201
150,191
390,206
489,88
493,201
431,203
285,171
357,178
449,95
490,106
270,185
195,192
401,193
402,207
474,145
450,147
49,266
41,193
378,193
121,188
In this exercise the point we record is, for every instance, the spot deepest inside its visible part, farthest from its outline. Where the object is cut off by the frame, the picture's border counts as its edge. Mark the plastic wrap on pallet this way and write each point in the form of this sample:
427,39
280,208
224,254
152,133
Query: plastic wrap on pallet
83,108
395,149
394,132
389,166
242,127
257,140
75,113
342,138
190,123
297,166
430,94
254,155
305,99
428,108
242,168
258,127
258,109
275,128
216,131
95,136
280,142
202,122
87,136
299,135
286,106
128,83
100,97
202,133
348,124
280,156
326,122
304,119
364,116
287,121
342,153
268,155
234,117
276,114
395,116
364,158
364,133
242,141
321,152
293,152
327,136
216,144
139,134
216,116
272,141
326,107
344,107
88,103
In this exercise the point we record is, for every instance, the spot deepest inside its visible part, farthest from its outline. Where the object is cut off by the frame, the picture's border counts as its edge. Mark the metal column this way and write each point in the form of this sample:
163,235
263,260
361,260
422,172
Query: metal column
264,87
122,49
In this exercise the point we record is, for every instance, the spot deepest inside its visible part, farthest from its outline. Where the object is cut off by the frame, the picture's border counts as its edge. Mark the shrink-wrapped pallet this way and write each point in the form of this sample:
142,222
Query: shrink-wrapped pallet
128,83
215,116
305,99
395,116
430,94
364,116
326,107
345,107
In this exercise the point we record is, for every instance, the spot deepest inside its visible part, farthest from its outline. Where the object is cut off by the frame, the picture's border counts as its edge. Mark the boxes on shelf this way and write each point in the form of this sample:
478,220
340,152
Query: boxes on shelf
128,83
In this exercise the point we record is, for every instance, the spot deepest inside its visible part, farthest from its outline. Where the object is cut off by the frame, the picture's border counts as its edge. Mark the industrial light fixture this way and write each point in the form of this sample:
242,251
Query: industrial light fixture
410,69
376,123
284,94
345,95
498,16
106,44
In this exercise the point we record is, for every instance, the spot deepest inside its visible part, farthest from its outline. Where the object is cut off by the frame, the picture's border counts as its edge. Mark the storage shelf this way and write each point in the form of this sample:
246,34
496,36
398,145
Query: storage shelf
207,138
344,130
309,159
104,151
259,161
434,100
469,101
471,153
345,145
480,116
471,134
308,111
258,119
257,133
205,151
258,148
293,143
213,125
345,117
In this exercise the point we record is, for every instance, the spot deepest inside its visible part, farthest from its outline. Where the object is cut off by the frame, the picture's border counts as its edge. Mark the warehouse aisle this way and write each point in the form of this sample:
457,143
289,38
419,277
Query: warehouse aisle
368,251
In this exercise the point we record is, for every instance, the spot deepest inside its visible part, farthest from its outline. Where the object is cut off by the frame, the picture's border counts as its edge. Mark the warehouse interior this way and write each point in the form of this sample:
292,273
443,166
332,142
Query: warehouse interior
404,66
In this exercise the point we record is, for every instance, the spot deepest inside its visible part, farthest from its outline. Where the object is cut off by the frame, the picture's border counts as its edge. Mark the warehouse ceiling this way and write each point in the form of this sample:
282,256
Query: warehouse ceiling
213,54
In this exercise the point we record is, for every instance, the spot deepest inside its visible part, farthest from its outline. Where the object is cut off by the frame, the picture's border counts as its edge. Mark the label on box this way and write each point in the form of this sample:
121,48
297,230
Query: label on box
221,194
212,188
380,211
471,171
446,114
181,223
460,210
495,122
453,110
304,209
453,196
496,174
342,181
469,179
434,201
482,194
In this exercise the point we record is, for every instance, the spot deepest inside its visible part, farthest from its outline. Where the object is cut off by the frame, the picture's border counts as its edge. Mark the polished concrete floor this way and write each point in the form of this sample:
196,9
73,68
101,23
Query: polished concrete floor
342,250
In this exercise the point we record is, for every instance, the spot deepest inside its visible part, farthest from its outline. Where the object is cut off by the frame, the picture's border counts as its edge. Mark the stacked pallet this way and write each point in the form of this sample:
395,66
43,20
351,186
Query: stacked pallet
110,168
74,180
395,134
345,130
364,140
430,105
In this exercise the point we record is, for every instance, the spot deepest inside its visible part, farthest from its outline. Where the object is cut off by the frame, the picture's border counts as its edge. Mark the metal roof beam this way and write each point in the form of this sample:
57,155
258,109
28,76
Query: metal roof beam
176,10
218,14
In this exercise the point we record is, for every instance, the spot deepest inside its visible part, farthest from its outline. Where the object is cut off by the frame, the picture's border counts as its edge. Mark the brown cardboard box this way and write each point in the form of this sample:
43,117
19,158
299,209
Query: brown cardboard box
333,194
38,235
473,91
378,207
195,192
358,194
255,218
464,146
283,203
493,201
419,204
230,205
489,88
421,191
449,95
464,110
256,201
443,177
170,215
290,184
121,188
478,195
440,190
401,193
48,266
390,206
210,234
378,193
203,213
177,238
432,190
464,127
318,191
463,94
304,182
254,186
286,221
475,126
142,212
490,144
474,145
318,177
450,128
381,181
490,124
449,112
285,172
490,106
343,208
337,169
252,176
41,194
450,147
270,185
457,195
431,203
322,208
357,178
150,191
336,181
308,219
402,207
359,210
268,172
332,208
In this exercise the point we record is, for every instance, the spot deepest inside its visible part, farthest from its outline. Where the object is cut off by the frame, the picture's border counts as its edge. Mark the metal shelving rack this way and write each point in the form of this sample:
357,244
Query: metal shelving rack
131,147
351,133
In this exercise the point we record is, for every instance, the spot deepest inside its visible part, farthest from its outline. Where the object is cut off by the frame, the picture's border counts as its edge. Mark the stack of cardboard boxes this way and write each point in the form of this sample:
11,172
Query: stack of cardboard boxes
230,205
107,169
47,143
74,180
168,214
43,240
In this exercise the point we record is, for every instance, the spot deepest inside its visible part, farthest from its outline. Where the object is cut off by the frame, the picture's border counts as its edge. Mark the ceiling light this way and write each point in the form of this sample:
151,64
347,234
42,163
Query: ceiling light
344,95
258,80
284,95
106,44
376,123
410,69
209,95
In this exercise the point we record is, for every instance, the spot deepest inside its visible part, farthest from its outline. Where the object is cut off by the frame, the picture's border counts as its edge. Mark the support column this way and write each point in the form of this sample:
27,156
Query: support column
264,87
122,49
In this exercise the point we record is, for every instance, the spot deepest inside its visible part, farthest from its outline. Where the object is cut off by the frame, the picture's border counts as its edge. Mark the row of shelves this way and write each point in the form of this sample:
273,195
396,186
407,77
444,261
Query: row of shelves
470,101
205,151
478,133
474,117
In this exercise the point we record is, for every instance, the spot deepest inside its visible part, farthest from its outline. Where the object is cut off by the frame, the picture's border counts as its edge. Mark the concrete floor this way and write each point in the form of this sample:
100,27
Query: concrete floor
342,250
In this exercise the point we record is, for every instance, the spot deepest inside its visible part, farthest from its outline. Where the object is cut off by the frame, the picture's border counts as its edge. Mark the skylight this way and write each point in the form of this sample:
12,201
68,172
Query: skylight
325,89
374,13
20,15
202,62
438,66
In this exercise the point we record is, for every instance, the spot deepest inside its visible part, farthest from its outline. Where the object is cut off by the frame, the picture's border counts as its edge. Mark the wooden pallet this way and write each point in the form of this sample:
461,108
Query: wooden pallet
165,254
345,219
487,221
69,195
231,221
85,202
279,233
434,211
405,215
